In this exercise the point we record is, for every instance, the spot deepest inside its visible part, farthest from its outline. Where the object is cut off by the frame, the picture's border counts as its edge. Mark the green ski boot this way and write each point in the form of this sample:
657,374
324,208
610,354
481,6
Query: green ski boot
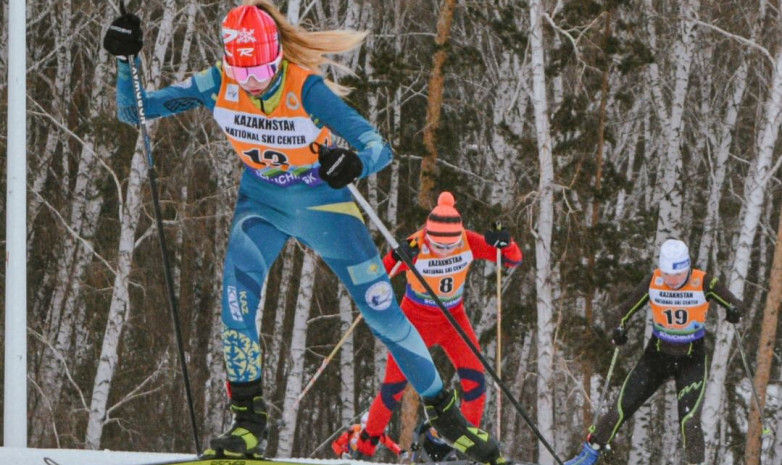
445,416
247,435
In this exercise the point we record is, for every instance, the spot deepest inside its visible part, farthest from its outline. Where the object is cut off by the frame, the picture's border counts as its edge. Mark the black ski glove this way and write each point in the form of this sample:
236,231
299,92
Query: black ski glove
619,337
409,246
338,167
124,37
498,237
732,314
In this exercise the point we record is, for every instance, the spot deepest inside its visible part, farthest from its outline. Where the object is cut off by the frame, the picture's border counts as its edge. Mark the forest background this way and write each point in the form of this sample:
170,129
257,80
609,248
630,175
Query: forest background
593,130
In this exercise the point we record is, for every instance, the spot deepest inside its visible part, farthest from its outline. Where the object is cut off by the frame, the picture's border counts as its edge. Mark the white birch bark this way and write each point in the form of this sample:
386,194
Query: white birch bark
120,301
776,424
754,194
187,41
503,182
393,189
379,349
120,304
4,53
215,398
671,431
65,309
723,143
298,351
641,435
669,175
63,18
514,423
543,235
274,358
346,356
633,132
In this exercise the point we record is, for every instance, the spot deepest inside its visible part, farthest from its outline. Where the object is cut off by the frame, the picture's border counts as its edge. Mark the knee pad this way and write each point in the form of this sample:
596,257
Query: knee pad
391,392
475,376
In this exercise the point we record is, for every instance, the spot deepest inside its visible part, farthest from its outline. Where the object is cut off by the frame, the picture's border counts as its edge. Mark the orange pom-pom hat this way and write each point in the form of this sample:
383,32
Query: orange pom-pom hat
444,224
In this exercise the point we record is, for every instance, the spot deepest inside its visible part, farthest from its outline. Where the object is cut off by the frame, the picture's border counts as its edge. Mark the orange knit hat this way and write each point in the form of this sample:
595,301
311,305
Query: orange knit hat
444,224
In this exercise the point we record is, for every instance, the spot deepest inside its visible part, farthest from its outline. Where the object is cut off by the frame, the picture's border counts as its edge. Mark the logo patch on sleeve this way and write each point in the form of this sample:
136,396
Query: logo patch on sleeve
379,295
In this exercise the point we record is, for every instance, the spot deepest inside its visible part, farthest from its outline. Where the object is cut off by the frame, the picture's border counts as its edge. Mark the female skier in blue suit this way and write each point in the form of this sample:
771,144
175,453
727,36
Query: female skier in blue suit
270,99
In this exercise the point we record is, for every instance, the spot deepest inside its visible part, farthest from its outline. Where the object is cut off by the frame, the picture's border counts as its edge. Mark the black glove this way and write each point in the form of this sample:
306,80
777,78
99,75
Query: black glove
732,314
338,167
619,337
410,247
499,238
124,37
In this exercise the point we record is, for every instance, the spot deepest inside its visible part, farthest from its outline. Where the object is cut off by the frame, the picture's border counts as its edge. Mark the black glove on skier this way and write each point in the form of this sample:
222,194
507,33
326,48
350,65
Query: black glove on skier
124,37
410,248
732,314
499,238
338,167
619,337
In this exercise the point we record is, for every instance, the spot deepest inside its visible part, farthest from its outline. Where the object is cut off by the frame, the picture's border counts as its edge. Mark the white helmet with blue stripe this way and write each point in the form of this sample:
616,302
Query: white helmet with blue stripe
674,257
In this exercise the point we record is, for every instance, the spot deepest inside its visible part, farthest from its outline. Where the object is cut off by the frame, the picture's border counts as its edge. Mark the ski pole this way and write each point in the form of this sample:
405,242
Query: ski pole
327,360
498,362
599,405
765,429
142,125
403,255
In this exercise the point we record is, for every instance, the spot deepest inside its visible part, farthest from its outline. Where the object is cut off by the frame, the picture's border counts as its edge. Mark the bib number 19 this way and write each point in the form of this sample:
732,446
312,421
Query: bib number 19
678,317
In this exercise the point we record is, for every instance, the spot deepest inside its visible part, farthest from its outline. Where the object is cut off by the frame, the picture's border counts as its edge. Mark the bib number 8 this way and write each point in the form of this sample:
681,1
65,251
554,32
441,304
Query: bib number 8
446,285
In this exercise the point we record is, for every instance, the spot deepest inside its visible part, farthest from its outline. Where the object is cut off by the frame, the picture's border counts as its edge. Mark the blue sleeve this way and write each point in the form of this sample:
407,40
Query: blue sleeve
327,109
196,91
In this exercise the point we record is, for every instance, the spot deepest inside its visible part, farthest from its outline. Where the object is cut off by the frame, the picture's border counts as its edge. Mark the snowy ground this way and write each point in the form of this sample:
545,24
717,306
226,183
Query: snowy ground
19,456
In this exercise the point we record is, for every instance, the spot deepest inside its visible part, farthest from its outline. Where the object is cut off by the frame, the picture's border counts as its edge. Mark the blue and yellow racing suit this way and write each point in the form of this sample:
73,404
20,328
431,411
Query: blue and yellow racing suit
281,196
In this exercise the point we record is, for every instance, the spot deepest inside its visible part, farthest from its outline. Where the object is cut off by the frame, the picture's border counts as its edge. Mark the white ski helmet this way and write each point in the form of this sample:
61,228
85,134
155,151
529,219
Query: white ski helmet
674,257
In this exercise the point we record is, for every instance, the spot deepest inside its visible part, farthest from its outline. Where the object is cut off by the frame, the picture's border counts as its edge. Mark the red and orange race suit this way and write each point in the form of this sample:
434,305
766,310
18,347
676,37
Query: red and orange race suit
345,444
446,275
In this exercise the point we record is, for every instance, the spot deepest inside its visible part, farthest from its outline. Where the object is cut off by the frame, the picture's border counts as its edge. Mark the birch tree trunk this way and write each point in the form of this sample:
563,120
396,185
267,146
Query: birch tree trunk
777,446
120,301
511,431
297,354
543,235
66,310
754,193
274,356
346,358
225,170
670,173
63,18
120,304
723,143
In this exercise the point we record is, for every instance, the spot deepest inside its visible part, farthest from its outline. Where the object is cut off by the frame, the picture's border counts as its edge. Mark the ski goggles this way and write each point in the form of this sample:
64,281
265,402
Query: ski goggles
261,73
441,246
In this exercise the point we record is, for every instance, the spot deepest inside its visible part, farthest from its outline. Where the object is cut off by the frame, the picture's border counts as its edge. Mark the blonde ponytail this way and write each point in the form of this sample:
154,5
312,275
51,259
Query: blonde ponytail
306,48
